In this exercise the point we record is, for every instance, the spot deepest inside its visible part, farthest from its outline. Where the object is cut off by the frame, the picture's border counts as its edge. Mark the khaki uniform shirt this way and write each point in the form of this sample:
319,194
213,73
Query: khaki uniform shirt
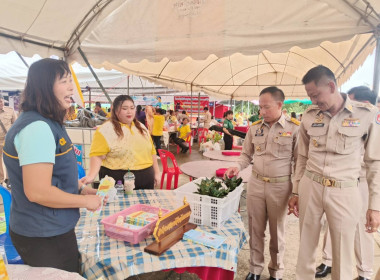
274,148
207,119
332,146
7,117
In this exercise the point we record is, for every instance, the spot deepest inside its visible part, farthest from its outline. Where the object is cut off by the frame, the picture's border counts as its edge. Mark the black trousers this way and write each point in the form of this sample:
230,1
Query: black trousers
144,178
228,141
179,141
157,142
59,251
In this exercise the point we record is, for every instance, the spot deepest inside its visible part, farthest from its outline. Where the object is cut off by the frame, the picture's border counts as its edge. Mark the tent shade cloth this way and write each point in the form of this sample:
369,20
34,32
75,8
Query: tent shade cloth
229,49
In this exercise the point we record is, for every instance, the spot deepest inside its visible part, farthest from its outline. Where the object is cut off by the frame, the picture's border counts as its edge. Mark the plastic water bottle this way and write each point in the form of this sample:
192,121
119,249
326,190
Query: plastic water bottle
129,182
119,188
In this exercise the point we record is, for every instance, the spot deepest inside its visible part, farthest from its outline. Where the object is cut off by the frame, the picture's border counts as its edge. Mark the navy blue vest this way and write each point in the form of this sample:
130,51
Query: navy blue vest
29,218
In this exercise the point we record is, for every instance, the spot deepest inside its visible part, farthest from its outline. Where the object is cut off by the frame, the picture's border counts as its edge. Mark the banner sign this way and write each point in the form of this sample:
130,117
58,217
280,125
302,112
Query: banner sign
185,102
78,153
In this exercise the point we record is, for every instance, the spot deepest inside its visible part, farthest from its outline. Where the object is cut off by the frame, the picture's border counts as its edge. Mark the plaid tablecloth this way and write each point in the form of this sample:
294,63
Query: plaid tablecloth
112,259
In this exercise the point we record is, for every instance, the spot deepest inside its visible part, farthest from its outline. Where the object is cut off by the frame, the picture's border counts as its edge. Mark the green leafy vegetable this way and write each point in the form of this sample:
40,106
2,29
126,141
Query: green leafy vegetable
214,188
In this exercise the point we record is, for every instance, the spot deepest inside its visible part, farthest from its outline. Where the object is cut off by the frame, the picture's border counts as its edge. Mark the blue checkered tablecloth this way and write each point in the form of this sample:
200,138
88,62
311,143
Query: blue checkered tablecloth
112,259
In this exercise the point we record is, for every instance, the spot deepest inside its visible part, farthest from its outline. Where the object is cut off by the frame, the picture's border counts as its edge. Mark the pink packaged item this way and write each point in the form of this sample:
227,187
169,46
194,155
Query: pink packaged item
132,234
231,153
220,172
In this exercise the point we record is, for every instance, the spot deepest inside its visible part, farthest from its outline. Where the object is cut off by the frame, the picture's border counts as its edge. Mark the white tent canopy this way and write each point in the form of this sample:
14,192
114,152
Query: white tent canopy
229,49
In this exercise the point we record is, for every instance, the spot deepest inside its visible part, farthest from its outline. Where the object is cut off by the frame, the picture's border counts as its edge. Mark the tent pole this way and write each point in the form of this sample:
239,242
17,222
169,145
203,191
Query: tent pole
94,74
128,84
199,107
22,59
191,104
214,108
376,72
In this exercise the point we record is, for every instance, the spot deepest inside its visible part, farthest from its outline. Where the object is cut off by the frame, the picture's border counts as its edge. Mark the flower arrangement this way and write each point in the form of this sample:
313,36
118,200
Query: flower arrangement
213,136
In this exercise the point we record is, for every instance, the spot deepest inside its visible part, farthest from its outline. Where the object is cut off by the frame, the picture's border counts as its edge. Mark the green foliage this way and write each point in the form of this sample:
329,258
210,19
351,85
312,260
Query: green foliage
214,188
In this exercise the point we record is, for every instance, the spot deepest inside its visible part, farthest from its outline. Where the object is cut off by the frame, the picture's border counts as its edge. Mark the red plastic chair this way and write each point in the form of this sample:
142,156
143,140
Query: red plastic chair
170,171
202,132
188,141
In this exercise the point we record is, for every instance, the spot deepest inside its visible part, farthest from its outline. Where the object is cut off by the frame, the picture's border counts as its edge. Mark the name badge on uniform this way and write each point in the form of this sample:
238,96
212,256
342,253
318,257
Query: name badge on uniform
259,132
317,124
351,122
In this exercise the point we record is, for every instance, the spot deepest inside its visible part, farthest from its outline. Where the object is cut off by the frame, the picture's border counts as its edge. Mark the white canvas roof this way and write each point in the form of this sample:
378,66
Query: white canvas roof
229,49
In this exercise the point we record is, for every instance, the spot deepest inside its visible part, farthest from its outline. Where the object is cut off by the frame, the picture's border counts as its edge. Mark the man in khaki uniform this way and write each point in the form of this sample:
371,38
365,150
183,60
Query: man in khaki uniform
364,242
331,137
207,118
7,118
272,143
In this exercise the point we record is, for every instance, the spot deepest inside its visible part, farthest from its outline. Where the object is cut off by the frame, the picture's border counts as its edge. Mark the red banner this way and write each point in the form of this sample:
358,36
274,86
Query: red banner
190,105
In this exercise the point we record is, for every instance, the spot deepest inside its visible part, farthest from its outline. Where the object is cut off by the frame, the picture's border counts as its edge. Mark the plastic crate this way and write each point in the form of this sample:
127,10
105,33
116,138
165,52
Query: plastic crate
133,236
207,210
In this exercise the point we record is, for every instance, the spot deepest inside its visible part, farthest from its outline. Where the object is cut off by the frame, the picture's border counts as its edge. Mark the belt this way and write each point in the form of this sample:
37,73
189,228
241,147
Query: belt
328,182
271,180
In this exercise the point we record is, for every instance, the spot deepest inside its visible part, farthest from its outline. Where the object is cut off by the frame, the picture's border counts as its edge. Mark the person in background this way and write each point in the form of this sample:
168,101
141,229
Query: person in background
227,124
42,166
181,116
364,243
71,115
333,134
213,121
98,110
122,144
184,132
140,115
172,117
7,118
254,117
300,117
293,115
149,112
158,128
207,118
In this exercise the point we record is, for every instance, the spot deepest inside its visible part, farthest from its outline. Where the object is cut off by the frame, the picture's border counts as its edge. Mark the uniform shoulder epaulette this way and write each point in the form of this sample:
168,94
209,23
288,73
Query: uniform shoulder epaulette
295,121
312,107
256,122
367,106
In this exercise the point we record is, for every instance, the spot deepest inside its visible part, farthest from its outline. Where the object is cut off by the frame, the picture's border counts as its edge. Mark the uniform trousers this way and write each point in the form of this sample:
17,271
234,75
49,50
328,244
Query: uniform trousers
364,243
267,202
342,209
228,141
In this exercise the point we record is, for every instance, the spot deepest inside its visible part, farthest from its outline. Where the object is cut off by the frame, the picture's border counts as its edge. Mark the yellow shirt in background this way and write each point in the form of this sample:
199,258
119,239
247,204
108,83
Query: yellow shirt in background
158,125
183,131
134,151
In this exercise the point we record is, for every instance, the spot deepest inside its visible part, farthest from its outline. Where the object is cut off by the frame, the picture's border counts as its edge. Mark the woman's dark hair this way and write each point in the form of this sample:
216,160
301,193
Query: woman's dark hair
116,107
138,109
38,94
229,112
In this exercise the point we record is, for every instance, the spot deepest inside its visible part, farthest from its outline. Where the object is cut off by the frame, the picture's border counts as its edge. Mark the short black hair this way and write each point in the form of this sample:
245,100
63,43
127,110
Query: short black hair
317,73
205,109
363,93
293,115
276,93
98,104
184,112
229,112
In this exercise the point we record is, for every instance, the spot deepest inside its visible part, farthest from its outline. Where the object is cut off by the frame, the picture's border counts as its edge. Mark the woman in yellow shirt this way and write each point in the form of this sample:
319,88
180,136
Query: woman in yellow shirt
124,143
158,128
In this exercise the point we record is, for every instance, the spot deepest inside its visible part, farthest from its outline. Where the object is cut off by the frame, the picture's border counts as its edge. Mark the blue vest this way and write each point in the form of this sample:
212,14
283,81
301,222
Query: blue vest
29,218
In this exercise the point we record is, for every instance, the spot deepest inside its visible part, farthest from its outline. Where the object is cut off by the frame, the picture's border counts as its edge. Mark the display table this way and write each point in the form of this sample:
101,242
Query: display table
22,271
113,259
207,168
217,155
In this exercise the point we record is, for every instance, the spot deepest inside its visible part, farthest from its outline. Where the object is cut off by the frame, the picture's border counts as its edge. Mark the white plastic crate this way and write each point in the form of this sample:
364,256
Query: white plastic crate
207,210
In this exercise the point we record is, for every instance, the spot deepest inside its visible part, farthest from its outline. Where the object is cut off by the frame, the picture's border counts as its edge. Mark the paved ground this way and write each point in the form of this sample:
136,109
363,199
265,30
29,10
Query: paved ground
292,234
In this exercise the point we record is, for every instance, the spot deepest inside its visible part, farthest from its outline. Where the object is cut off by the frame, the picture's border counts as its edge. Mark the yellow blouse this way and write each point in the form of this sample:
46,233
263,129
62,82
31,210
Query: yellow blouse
134,151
